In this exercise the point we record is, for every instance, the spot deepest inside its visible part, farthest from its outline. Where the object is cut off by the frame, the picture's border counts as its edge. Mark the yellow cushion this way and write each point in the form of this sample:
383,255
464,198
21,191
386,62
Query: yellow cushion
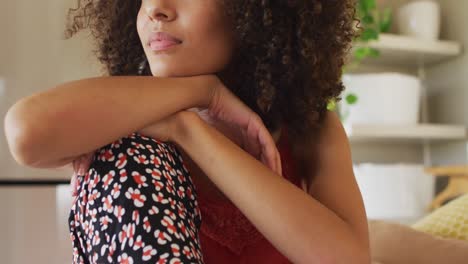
448,221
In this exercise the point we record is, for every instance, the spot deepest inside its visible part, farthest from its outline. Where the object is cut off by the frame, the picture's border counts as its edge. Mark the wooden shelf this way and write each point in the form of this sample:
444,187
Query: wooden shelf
416,133
453,170
397,50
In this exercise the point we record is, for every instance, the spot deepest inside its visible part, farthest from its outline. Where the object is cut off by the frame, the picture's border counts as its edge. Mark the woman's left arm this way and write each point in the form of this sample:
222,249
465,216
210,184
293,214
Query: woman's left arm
298,225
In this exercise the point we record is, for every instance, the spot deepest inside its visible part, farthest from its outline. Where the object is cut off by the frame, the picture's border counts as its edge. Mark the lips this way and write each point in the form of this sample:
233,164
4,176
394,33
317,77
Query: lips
162,40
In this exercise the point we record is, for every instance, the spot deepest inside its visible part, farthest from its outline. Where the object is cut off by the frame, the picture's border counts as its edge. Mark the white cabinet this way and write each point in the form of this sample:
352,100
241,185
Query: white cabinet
33,224
392,144
412,55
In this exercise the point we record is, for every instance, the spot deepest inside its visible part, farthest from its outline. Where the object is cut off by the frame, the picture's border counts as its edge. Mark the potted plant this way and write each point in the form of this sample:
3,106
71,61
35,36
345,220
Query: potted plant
372,23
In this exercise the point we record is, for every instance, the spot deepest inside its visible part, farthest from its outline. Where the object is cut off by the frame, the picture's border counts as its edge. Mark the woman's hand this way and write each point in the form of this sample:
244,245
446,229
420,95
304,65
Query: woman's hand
249,133
80,166
244,123
247,139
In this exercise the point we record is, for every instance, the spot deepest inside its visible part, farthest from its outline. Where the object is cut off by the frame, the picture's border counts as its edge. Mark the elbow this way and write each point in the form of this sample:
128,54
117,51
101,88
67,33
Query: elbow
15,138
18,133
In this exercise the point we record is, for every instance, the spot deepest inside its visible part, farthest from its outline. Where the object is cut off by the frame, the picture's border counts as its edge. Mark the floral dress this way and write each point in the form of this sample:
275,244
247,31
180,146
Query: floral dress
136,204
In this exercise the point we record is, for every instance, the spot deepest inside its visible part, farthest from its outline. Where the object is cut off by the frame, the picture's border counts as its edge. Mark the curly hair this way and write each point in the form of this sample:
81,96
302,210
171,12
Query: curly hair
290,53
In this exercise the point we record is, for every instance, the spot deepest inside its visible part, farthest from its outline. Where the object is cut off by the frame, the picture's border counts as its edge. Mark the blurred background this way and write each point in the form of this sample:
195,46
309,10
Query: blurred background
403,109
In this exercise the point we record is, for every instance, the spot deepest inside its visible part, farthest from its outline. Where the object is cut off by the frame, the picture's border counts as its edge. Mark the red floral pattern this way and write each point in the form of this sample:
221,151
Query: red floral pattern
136,204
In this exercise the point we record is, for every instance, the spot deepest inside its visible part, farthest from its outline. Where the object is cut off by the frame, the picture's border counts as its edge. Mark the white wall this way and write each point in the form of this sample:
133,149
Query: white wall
448,83
33,57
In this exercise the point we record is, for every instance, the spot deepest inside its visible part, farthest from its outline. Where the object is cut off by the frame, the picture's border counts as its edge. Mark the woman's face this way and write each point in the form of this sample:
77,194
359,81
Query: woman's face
206,39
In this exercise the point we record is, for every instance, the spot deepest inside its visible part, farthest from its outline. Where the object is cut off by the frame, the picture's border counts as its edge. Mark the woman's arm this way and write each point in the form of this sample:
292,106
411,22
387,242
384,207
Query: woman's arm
299,226
51,128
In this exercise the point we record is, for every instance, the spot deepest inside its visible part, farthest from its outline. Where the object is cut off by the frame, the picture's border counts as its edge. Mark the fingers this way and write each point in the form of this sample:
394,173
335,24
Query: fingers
74,185
278,159
254,146
76,165
249,146
80,166
270,154
82,163
87,160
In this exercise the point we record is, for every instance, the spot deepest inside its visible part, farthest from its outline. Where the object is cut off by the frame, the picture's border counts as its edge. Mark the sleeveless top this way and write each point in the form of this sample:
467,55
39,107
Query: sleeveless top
227,236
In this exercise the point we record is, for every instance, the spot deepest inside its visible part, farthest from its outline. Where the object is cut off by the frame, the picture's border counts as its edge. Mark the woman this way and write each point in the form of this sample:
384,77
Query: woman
236,81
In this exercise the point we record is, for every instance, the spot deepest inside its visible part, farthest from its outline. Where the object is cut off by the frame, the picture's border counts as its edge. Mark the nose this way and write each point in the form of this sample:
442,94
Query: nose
160,11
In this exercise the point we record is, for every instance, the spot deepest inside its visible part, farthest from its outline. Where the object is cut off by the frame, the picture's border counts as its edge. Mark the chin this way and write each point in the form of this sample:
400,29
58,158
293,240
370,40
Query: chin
164,73
163,70
175,73
160,69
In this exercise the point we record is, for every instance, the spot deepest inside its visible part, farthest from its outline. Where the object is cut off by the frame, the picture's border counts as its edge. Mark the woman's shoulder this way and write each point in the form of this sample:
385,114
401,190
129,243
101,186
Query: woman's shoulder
330,129
307,151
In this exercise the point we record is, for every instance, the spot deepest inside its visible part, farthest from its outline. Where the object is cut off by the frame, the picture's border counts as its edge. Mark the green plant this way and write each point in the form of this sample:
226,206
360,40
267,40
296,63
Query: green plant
372,23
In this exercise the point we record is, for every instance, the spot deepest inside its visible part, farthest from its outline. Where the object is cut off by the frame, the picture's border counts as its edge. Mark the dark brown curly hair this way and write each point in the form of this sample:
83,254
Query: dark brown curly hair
290,53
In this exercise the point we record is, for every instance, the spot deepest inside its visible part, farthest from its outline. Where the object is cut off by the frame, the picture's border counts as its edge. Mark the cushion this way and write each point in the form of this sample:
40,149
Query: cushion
447,221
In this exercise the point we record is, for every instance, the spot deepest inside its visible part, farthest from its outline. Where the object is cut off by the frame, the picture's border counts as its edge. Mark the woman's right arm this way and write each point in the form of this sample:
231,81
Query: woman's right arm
53,127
